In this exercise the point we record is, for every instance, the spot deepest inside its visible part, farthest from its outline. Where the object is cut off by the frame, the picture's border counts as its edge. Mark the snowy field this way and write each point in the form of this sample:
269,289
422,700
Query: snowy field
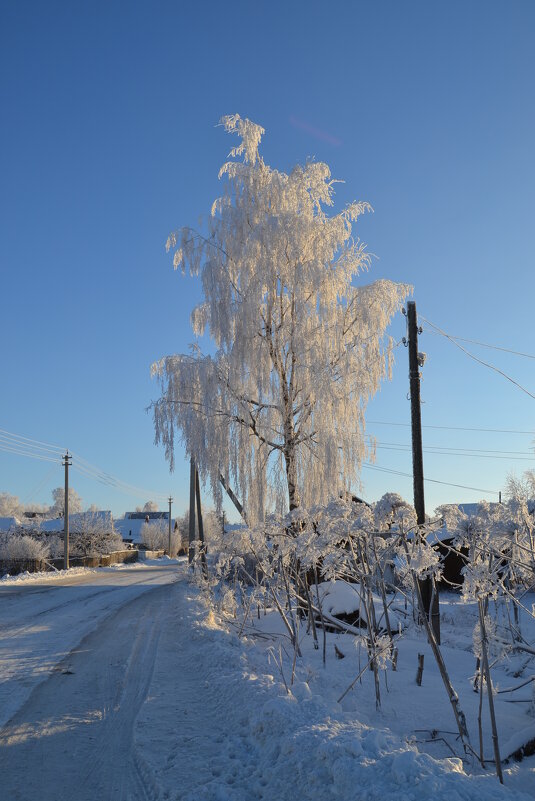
122,684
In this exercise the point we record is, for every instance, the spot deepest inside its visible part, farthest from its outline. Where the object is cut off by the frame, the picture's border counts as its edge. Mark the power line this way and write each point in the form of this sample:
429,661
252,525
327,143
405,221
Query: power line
32,443
436,452
465,450
90,471
432,480
29,454
483,344
480,361
39,486
46,452
113,480
454,428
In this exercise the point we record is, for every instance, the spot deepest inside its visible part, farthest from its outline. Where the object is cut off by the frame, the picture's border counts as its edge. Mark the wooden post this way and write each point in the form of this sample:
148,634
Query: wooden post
232,497
420,671
428,589
490,697
169,548
66,464
200,523
191,538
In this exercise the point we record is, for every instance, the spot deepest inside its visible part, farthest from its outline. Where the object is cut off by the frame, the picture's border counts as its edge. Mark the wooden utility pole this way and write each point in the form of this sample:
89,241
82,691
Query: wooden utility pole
66,463
200,523
170,502
191,538
428,588
232,497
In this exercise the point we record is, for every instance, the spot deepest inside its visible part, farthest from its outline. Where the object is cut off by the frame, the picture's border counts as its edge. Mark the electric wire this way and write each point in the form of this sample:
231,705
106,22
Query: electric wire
29,454
43,451
34,443
466,450
483,344
39,486
90,471
431,480
114,480
406,448
478,360
453,428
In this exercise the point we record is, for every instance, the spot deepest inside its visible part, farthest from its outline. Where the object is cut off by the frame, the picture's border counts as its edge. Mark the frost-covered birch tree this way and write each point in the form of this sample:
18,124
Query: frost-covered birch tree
300,347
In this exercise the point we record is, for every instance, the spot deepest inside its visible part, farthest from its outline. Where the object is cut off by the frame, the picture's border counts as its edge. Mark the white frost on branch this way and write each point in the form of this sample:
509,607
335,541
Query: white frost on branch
279,408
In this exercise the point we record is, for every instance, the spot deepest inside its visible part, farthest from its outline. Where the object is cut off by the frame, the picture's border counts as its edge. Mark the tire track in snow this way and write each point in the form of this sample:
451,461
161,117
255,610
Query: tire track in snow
34,644
73,738
15,630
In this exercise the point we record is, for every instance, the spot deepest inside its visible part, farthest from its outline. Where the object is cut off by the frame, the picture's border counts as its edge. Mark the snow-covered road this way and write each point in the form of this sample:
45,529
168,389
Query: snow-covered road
72,738
76,659
42,621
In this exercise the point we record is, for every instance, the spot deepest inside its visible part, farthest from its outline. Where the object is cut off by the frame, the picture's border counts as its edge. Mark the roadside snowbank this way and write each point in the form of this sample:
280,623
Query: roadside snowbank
237,735
40,575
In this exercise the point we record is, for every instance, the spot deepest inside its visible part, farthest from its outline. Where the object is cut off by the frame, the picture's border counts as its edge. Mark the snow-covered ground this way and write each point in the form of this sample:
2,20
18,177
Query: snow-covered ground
237,734
123,684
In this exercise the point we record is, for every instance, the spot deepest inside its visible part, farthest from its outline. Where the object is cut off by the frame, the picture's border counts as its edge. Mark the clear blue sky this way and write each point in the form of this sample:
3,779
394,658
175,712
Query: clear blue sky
108,142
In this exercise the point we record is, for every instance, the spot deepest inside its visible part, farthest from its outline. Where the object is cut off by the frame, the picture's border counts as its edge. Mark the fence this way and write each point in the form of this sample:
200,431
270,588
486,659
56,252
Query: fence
16,566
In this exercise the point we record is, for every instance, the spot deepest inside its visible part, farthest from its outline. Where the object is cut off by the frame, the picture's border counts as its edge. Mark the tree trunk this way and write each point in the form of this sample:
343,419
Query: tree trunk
294,501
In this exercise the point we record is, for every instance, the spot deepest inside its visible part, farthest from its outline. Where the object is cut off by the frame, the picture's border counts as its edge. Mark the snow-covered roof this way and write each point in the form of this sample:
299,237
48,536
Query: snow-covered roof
77,520
130,528
470,509
8,523
143,515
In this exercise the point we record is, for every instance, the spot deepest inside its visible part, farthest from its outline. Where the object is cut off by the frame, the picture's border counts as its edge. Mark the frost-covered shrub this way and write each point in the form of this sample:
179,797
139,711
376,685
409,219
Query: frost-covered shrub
21,546
182,534
55,545
155,535
92,535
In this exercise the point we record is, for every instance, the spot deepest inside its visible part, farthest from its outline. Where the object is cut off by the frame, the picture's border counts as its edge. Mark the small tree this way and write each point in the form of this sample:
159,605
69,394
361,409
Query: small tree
92,534
150,506
522,488
9,505
279,407
58,507
155,535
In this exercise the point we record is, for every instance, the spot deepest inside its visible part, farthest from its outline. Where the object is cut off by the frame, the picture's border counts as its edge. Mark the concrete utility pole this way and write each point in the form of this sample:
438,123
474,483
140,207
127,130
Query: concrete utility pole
191,548
170,502
66,463
428,588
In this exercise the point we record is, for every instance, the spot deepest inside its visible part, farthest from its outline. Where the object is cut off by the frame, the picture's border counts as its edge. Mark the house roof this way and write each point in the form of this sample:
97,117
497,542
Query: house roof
144,515
130,527
7,523
77,520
